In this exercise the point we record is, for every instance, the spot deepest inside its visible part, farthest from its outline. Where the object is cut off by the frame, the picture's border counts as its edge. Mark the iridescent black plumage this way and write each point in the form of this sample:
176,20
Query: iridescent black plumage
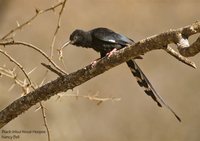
104,40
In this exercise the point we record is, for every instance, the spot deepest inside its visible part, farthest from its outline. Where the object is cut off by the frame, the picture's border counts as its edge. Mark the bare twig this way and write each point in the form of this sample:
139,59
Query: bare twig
60,50
95,98
44,113
38,12
11,74
57,28
17,64
45,120
180,57
52,69
35,48
27,87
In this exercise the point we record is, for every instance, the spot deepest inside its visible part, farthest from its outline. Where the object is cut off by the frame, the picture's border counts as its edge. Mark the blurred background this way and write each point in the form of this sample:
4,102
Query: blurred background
136,116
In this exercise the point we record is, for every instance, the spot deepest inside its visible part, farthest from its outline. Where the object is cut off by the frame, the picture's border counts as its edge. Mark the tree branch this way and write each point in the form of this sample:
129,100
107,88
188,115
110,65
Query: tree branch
38,12
69,81
180,57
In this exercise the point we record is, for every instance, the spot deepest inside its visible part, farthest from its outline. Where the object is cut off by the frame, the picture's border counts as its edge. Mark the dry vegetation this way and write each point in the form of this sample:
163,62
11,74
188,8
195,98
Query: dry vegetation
135,116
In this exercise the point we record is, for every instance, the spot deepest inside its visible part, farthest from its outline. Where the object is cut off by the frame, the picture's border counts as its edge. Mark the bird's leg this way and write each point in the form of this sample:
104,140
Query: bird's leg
111,52
102,55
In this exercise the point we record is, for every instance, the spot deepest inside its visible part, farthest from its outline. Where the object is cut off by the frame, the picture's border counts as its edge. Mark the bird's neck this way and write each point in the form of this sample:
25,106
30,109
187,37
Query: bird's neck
87,40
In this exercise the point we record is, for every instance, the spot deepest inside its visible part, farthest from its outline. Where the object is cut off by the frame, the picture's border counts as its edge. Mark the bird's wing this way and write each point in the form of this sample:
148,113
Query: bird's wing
107,35
149,90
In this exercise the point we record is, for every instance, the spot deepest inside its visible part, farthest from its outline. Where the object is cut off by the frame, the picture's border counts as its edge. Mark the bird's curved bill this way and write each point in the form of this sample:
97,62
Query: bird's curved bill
66,44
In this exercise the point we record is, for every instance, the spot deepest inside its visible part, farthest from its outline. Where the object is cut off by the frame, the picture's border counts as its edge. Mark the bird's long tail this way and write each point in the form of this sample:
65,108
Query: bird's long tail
149,90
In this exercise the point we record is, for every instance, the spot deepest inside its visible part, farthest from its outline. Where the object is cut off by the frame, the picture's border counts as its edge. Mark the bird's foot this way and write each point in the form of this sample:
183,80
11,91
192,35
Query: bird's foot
94,62
110,53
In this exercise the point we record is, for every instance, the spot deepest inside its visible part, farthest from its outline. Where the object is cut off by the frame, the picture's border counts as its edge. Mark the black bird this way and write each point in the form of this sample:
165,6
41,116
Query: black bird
104,41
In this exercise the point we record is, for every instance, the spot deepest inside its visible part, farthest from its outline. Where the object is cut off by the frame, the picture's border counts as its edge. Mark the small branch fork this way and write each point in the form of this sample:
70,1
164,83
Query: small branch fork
94,97
180,57
66,82
57,28
12,42
37,13
4,71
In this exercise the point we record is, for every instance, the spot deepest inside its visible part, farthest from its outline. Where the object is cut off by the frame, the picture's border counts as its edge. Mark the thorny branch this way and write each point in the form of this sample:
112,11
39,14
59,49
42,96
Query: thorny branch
19,65
98,100
37,13
69,81
45,120
57,28
24,85
94,97
4,71
12,42
52,69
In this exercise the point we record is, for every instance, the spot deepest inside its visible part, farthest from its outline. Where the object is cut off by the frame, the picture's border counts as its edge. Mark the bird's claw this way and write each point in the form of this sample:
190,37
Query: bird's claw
93,63
110,53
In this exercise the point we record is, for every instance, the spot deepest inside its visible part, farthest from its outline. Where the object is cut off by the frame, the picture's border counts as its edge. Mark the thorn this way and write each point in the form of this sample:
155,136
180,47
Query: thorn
12,86
37,10
32,70
42,82
14,69
18,25
99,102
193,65
38,108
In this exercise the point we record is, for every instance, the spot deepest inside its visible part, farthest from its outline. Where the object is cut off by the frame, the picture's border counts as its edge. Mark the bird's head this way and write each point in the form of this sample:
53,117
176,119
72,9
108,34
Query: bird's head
79,38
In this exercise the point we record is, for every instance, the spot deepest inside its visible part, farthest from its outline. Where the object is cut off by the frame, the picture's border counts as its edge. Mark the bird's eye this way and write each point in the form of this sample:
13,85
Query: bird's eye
75,37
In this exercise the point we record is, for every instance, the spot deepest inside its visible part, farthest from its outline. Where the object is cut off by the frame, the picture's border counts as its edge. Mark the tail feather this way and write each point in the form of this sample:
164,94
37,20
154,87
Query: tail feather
149,90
